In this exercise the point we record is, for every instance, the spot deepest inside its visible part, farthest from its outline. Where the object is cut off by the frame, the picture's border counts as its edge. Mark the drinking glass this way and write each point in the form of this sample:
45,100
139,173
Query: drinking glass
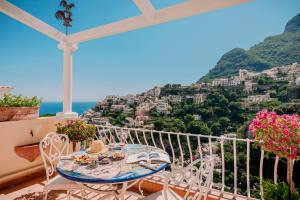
111,143
123,138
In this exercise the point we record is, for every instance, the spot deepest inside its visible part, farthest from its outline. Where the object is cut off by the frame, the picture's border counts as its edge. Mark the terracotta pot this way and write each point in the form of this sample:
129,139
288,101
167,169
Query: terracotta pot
30,152
18,113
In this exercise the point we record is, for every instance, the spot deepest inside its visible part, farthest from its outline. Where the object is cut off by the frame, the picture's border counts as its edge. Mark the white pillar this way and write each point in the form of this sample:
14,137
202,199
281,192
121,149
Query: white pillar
68,49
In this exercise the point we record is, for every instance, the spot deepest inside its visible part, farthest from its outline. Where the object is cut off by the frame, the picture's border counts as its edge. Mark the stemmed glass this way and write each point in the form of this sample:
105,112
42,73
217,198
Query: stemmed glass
111,143
123,135
123,138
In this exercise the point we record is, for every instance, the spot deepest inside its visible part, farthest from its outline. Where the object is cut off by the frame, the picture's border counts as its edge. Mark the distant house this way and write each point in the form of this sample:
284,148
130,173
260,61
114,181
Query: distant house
104,121
130,98
220,82
197,117
5,90
174,98
162,107
117,107
142,118
235,81
114,98
155,92
249,86
127,110
200,98
297,81
250,101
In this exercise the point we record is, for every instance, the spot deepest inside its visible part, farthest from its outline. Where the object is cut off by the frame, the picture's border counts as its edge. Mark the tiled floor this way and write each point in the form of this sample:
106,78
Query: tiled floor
32,190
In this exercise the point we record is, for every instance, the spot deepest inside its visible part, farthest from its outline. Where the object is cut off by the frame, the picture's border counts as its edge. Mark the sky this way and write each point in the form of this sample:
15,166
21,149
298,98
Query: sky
180,51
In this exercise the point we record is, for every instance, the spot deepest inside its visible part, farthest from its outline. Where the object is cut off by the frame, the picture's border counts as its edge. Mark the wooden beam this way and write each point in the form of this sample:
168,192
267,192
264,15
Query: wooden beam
178,11
194,7
29,20
146,8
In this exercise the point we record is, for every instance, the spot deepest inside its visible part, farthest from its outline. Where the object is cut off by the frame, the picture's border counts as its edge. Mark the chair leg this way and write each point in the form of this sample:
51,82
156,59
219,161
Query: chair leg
68,195
45,194
83,194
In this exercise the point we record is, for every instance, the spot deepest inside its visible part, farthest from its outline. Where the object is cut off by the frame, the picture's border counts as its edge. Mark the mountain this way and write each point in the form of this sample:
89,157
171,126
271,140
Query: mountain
293,25
273,51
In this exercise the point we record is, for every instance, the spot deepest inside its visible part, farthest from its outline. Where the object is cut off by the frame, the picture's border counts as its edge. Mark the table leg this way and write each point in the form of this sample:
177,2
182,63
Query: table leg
123,191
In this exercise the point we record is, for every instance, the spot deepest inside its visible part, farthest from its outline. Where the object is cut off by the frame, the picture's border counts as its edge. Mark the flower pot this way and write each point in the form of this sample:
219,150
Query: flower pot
30,152
18,113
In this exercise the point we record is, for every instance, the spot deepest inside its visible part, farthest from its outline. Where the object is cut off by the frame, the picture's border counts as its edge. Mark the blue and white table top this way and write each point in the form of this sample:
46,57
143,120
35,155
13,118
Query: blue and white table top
115,172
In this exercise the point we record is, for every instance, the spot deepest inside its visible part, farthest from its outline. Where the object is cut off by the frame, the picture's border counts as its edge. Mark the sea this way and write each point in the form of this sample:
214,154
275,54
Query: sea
55,107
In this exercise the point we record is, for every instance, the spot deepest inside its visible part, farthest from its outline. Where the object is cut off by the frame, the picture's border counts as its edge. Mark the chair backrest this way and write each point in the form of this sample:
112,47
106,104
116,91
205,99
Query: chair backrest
196,178
52,146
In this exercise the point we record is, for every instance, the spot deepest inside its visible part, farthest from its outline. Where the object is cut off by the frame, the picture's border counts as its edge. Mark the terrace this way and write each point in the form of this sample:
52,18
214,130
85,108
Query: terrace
21,177
22,173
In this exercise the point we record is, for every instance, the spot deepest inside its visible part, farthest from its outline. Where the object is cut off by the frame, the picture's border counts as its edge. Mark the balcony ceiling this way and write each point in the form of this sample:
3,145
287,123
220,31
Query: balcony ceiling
96,19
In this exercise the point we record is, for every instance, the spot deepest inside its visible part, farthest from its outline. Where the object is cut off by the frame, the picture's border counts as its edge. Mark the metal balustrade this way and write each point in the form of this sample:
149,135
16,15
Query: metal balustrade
186,147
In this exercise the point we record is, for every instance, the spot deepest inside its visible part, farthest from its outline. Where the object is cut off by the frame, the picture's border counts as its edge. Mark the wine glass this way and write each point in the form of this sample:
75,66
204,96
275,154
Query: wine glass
111,142
123,138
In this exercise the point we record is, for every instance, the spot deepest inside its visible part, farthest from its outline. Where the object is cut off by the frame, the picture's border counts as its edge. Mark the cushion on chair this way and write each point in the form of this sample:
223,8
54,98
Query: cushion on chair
60,183
159,196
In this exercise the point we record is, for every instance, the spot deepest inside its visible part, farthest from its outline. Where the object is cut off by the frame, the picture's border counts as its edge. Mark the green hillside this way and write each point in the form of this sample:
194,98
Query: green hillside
273,51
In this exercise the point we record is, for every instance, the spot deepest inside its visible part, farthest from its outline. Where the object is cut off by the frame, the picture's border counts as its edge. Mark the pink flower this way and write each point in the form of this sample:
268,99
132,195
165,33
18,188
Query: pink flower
277,134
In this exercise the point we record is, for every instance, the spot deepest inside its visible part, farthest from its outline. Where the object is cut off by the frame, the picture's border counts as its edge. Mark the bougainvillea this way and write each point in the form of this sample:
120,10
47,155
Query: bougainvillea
77,130
279,134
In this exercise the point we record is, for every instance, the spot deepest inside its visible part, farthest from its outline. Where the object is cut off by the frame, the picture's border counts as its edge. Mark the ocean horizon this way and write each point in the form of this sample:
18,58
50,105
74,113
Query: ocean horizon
55,107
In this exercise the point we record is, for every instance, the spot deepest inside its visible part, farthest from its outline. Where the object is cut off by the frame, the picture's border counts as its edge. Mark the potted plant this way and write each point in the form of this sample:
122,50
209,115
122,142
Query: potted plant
14,107
78,132
279,135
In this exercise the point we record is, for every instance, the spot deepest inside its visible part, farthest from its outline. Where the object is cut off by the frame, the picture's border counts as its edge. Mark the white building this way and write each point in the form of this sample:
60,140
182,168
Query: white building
155,92
235,81
257,98
5,90
114,98
104,121
130,98
247,75
220,82
142,109
197,117
284,78
297,81
200,98
174,98
117,107
127,110
248,86
162,107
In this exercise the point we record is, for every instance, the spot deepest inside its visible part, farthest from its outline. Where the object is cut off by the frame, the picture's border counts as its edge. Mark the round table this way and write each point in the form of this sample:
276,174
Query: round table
118,172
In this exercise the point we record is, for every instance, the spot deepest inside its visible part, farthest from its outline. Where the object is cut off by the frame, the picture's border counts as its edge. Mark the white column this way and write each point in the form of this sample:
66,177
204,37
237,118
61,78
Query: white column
68,49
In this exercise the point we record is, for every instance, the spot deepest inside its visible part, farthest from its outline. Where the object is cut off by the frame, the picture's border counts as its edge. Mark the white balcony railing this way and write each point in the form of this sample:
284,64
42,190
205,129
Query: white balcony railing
184,147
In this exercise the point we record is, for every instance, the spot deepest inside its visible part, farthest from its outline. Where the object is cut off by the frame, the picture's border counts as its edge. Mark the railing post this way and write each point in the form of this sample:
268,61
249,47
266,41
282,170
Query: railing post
235,167
248,168
275,169
262,154
223,163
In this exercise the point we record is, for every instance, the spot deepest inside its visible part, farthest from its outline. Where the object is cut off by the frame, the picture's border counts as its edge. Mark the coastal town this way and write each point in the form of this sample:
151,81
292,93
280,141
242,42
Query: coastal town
254,88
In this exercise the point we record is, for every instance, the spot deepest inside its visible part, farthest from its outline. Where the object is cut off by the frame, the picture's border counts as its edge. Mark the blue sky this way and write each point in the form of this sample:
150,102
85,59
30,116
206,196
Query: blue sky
177,52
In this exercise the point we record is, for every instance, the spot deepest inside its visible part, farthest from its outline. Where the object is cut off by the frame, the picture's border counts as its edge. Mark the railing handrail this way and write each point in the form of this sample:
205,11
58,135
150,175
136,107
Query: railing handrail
176,133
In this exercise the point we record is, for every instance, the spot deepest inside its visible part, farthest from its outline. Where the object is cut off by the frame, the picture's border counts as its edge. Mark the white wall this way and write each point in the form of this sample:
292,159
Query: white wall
16,133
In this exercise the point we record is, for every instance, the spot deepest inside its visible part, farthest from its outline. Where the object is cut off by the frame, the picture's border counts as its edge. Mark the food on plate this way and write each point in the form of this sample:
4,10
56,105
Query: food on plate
83,159
117,155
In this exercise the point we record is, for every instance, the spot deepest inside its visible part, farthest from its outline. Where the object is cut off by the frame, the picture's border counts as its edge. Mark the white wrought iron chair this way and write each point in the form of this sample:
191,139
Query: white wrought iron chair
196,178
52,147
